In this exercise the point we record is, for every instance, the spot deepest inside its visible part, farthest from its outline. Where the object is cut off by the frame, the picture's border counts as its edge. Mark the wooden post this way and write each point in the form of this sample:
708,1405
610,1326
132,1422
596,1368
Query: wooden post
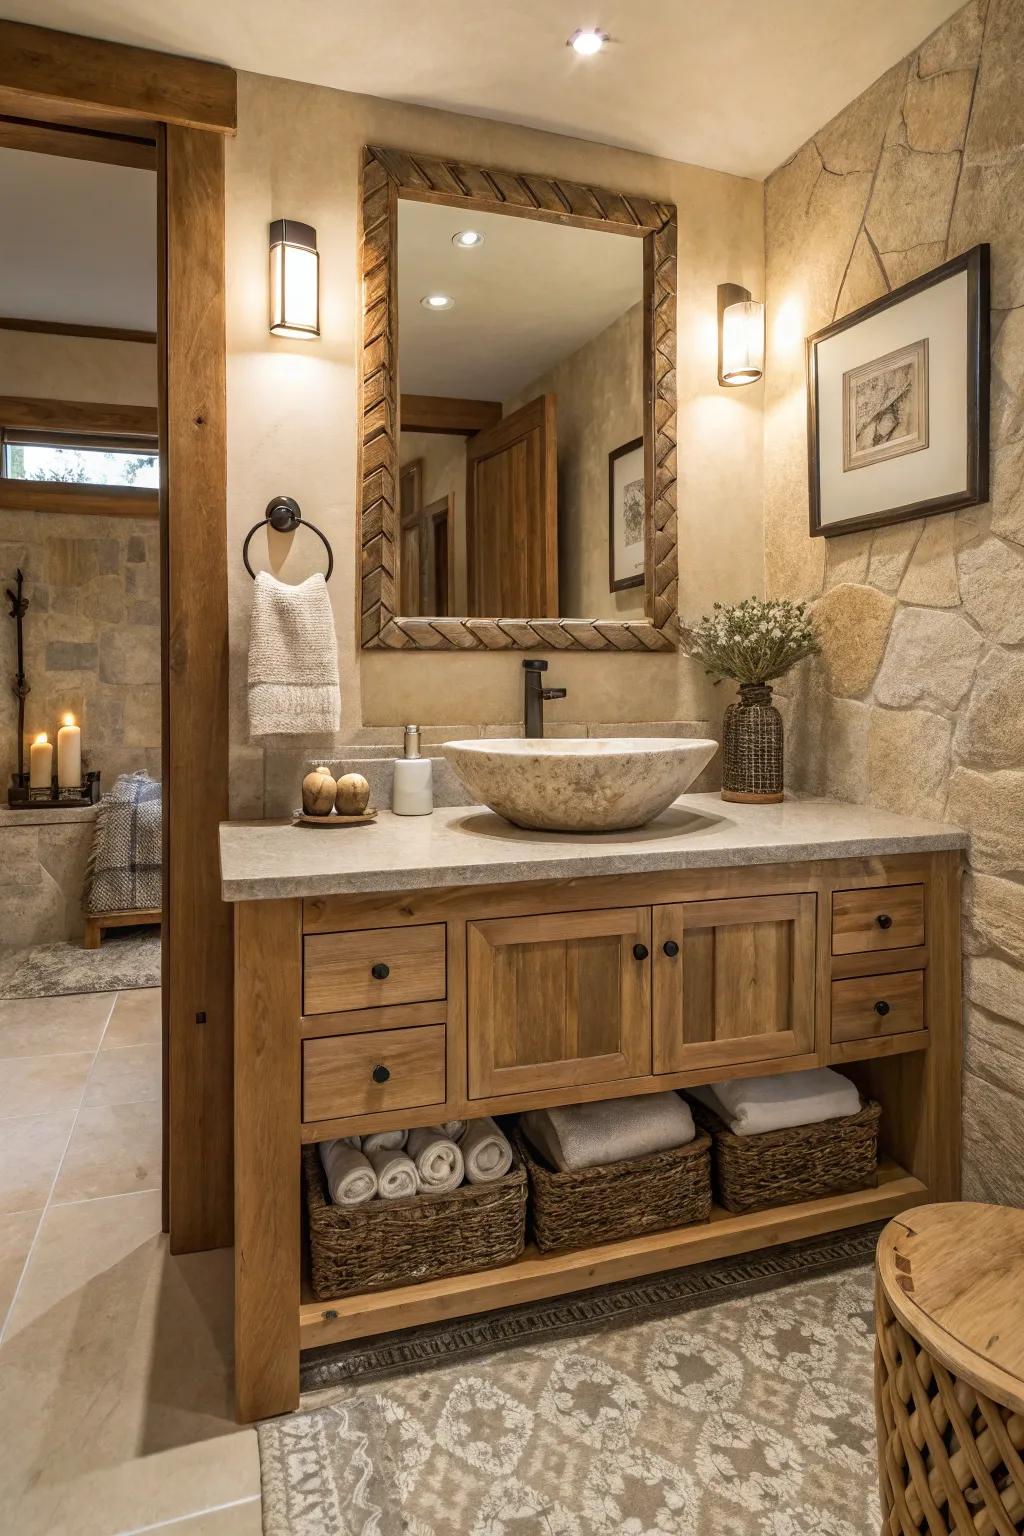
268,1004
197,956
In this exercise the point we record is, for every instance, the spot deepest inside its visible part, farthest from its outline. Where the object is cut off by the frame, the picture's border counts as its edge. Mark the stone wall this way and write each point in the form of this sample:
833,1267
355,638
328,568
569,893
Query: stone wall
918,701
92,636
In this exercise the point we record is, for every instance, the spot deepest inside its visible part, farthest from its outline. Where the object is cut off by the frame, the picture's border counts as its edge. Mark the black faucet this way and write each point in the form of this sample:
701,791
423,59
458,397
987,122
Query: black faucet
536,693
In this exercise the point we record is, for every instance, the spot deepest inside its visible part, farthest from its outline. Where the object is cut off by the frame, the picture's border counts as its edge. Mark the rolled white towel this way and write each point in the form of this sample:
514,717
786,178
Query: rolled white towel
350,1178
455,1129
438,1160
384,1141
396,1174
485,1151
752,1105
609,1131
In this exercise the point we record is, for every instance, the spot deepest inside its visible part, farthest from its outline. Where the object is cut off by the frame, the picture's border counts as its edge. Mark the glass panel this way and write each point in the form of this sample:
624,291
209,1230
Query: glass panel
88,465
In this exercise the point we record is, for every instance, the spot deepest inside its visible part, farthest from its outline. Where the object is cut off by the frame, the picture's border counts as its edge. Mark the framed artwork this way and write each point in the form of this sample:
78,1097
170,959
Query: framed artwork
897,402
627,516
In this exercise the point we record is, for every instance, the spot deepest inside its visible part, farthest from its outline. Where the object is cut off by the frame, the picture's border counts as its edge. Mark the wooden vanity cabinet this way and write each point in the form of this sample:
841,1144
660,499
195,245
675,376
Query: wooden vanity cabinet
365,1012
733,981
558,1000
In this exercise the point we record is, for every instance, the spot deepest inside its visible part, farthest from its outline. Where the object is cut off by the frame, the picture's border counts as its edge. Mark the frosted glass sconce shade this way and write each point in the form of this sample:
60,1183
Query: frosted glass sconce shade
294,279
740,336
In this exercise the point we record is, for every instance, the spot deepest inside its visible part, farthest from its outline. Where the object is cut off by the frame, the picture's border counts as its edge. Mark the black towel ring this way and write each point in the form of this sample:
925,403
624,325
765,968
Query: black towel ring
284,516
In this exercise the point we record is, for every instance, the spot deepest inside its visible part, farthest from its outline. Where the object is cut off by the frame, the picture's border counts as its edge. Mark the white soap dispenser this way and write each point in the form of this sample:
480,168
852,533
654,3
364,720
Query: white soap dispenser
413,792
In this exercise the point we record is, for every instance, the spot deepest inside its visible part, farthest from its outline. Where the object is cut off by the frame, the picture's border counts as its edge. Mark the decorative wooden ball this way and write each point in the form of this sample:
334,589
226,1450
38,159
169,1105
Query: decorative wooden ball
353,795
318,791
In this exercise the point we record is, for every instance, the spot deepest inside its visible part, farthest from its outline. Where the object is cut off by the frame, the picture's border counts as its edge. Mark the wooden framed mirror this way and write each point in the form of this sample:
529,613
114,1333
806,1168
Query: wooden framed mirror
499,473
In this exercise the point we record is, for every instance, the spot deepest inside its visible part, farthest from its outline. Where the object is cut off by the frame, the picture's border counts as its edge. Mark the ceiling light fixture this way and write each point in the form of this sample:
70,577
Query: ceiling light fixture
587,41
437,301
468,239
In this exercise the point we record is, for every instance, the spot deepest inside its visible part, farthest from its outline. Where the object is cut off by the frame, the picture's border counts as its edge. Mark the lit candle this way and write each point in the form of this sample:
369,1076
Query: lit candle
69,754
40,763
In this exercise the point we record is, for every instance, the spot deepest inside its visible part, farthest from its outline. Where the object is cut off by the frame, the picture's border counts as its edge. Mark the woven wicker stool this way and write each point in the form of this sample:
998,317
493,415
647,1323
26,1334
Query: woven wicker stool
949,1371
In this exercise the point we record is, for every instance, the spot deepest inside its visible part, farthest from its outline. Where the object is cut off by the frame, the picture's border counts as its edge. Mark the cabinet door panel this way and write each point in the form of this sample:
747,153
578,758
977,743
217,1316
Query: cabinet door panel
558,1000
741,986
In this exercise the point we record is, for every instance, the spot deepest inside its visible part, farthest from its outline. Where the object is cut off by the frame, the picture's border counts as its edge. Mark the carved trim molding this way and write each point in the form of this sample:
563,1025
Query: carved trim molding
388,173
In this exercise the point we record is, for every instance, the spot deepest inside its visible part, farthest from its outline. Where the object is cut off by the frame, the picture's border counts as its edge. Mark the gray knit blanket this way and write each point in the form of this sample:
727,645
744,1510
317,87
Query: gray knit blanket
123,874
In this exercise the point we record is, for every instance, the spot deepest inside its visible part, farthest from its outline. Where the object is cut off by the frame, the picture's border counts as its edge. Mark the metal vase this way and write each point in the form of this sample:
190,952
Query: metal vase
752,748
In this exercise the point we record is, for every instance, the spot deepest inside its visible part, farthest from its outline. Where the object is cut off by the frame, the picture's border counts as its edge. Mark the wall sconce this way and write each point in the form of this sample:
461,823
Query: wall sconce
740,336
294,279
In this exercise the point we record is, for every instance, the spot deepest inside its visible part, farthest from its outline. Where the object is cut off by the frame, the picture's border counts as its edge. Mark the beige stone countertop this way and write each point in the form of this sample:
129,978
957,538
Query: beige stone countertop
470,845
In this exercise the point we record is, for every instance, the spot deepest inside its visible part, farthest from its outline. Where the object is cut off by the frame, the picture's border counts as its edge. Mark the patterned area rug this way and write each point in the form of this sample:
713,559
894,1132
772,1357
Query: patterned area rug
750,1415
123,962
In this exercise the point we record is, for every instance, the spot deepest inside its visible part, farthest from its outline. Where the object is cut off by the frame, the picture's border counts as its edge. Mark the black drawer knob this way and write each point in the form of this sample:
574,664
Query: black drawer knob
882,1008
883,920
670,948
640,951
380,971
380,1074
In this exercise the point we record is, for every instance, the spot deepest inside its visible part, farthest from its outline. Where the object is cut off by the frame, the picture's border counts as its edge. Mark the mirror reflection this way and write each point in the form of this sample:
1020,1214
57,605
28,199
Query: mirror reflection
521,455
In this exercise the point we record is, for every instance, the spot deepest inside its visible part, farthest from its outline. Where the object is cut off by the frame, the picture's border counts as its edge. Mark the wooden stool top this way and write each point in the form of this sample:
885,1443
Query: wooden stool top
954,1276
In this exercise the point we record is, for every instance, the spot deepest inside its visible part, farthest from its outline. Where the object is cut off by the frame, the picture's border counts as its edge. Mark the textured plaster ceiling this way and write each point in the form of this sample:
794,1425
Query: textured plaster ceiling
733,84
521,303
78,242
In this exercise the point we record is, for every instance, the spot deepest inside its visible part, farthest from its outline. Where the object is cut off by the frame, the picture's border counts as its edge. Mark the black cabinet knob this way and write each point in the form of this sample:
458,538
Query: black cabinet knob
882,1008
670,948
380,971
883,920
640,951
380,1074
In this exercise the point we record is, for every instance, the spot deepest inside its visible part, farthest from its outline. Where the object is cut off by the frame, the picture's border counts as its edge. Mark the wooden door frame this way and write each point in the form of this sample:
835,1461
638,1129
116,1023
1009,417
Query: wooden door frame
183,108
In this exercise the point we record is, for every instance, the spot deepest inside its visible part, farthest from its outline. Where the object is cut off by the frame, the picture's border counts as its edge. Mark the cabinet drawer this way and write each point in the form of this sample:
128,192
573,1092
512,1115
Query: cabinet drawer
883,917
866,1007
365,1074
372,967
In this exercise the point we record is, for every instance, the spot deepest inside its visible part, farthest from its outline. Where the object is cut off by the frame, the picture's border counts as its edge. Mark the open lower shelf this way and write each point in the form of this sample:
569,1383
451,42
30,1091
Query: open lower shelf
534,1276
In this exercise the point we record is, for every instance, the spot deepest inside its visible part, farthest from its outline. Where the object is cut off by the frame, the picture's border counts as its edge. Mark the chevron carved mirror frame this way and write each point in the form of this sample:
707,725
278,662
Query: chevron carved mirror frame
387,175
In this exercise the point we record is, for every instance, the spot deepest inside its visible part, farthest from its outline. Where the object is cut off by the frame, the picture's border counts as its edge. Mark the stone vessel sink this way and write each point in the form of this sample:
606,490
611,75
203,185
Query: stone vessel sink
598,784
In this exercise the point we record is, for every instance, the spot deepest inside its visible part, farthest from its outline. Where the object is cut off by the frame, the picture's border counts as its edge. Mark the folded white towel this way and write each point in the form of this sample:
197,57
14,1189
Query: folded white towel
752,1105
396,1174
455,1129
485,1151
350,1178
384,1141
438,1160
293,659
590,1135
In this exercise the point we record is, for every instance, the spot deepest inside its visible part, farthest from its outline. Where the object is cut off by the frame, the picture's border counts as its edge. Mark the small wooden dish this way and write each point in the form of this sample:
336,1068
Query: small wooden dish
335,819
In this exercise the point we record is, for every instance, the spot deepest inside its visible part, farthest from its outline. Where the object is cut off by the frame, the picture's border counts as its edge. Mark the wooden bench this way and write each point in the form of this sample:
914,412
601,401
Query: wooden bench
96,922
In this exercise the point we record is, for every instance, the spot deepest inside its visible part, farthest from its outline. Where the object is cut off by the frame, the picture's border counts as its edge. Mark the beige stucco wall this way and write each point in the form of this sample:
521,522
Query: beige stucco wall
77,368
599,392
918,702
292,405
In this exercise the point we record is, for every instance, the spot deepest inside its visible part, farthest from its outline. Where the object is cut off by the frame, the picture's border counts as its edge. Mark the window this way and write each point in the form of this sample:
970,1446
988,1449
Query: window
79,458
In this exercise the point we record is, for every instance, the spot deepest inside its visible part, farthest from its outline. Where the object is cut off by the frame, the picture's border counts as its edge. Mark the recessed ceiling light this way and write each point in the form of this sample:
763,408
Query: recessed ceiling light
437,301
468,239
588,40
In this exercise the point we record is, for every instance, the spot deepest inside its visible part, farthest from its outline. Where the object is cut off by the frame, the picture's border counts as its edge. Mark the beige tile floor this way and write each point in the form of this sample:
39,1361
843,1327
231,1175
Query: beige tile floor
115,1363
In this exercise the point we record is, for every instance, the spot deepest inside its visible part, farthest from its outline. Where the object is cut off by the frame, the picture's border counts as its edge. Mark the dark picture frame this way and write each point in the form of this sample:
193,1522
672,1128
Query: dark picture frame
620,584
976,264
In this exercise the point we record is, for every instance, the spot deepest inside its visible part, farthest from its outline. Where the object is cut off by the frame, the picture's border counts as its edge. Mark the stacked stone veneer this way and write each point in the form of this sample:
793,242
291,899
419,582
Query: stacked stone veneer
918,700
92,636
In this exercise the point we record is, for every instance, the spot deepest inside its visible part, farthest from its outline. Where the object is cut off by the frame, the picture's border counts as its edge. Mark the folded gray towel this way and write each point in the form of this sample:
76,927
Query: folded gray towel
590,1135
752,1105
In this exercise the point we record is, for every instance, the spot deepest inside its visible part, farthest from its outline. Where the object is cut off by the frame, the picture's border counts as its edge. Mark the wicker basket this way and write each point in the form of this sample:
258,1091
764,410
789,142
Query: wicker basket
832,1157
618,1200
384,1243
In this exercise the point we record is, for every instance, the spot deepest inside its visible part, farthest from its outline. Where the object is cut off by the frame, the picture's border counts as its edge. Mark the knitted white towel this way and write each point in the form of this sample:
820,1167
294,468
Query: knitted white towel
293,659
